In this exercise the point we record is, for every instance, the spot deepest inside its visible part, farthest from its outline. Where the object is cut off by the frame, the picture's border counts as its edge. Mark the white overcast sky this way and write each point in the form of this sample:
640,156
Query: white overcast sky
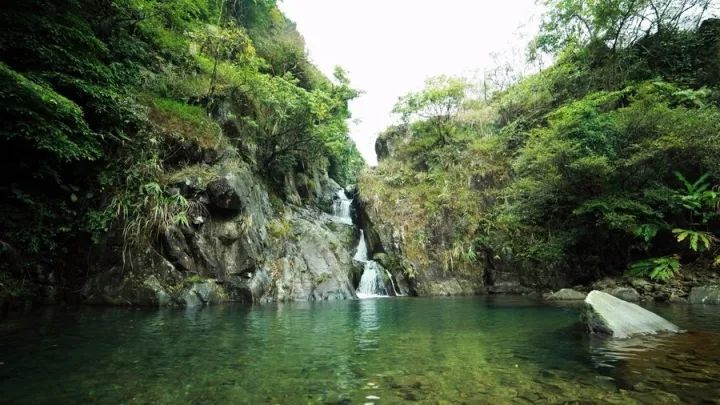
389,47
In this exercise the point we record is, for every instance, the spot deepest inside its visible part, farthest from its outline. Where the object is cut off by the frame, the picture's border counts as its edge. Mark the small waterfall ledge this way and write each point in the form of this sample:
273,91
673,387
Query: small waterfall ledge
341,208
372,282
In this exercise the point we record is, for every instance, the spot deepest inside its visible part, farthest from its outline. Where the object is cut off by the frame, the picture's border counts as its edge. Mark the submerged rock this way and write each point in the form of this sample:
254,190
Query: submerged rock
612,316
709,294
566,294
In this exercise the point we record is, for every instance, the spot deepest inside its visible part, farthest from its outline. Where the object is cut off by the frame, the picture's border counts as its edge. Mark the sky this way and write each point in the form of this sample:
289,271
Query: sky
390,47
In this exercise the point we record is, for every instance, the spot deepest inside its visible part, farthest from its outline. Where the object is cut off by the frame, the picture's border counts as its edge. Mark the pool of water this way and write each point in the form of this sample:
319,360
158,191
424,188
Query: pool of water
472,349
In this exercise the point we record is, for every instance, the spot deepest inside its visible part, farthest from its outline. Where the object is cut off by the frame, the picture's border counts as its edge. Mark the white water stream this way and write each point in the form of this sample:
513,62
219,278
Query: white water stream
341,208
372,282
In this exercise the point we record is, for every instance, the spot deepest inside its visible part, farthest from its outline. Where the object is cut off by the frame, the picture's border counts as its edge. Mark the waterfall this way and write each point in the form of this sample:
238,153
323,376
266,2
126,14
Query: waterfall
341,207
361,252
372,283
392,283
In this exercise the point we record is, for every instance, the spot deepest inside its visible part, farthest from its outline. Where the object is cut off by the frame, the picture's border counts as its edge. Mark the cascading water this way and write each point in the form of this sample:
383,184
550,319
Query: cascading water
361,251
341,207
372,283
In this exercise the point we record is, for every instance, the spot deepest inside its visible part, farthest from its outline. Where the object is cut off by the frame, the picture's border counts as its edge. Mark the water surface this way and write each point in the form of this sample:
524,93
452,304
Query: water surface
385,350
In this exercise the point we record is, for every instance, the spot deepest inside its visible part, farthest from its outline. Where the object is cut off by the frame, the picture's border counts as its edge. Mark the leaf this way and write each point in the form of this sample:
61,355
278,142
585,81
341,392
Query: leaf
694,242
659,268
683,180
681,234
646,231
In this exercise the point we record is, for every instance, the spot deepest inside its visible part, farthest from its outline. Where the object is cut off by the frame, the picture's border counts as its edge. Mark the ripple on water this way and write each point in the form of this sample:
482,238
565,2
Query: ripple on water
473,350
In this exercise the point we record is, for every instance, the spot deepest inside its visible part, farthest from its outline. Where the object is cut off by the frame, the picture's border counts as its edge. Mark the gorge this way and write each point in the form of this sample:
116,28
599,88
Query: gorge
186,218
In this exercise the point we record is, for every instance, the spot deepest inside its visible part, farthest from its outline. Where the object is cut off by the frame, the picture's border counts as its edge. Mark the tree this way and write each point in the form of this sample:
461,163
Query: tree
438,104
616,23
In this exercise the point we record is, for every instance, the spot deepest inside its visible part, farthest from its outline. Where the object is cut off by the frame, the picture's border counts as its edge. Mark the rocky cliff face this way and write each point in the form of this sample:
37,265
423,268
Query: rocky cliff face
422,267
238,246
420,250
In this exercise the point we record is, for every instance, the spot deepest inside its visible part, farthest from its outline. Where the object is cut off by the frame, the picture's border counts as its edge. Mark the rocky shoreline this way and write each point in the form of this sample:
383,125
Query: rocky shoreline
690,288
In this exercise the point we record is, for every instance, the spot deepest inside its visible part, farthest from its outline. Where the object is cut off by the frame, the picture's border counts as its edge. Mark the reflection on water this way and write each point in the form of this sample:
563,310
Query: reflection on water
368,324
486,349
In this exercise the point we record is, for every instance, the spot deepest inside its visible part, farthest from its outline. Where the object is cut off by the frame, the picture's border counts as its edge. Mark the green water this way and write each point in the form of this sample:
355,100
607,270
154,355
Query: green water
473,350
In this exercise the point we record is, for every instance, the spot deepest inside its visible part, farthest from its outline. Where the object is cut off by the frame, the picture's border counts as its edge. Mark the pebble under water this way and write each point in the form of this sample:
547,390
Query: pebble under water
495,349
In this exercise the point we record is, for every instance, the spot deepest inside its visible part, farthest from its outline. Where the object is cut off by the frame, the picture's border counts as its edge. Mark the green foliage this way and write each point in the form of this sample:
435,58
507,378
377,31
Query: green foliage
437,104
441,98
37,115
280,228
659,268
98,96
570,173
187,122
141,206
618,23
698,198
699,241
193,279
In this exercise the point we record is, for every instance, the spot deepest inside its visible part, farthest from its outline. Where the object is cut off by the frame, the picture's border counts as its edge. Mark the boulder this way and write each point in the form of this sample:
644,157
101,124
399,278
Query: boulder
177,249
202,293
642,285
624,293
317,265
223,194
604,284
566,294
608,315
233,190
709,294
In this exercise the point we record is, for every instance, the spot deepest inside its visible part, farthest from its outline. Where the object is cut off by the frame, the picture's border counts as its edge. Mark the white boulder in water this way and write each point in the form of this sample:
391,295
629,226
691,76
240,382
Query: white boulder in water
612,316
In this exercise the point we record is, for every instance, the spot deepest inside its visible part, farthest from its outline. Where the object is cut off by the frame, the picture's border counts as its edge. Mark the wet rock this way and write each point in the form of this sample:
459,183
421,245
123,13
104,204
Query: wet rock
605,314
140,281
642,285
317,265
508,287
661,296
177,248
604,284
709,294
565,294
676,299
203,293
189,299
162,298
624,293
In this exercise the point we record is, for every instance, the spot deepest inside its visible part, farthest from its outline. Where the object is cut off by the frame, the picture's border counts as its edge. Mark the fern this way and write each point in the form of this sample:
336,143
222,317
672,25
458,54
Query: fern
699,241
659,268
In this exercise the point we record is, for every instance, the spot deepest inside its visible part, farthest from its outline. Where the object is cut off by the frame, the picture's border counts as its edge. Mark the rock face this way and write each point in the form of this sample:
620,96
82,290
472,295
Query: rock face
425,271
566,294
237,247
605,314
709,294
